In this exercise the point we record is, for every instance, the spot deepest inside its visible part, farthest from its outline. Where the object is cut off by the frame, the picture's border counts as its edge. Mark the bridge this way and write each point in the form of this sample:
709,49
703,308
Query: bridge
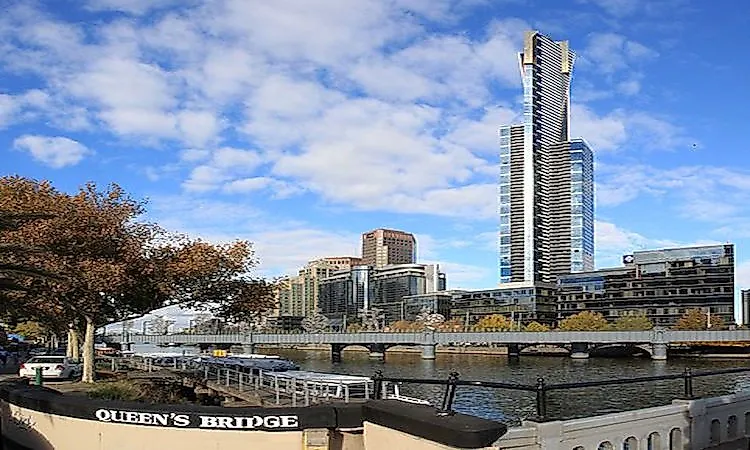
655,342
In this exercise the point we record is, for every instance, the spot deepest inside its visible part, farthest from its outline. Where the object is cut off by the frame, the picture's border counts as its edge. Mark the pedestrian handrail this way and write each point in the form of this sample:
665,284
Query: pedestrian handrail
298,391
541,388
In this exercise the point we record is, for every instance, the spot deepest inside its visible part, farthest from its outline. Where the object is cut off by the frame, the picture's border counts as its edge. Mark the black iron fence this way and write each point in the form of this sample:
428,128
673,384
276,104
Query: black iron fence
541,388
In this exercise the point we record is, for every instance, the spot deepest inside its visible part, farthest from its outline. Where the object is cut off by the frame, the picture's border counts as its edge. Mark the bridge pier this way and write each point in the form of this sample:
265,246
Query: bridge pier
514,352
579,350
659,351
336,352
428,351
377,351
248,348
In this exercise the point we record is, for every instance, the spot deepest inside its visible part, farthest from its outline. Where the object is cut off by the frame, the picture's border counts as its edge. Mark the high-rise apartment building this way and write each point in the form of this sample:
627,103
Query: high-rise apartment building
546,186
745,302
384,247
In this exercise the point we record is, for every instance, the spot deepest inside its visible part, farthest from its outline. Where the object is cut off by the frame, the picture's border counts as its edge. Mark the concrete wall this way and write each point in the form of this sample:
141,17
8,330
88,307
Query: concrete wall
41,419
42,431
710,423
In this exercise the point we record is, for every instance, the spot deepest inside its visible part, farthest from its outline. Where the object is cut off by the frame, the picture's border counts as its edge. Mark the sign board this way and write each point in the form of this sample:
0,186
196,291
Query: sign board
220,353
193,420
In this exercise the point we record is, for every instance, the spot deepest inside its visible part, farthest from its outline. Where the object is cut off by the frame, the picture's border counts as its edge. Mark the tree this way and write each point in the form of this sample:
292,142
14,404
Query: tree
405,325
371,319
245,300
112,267
494,322
429,319
696,319
30,330
536,326
315,323
633,322
451,325
354,328
584,321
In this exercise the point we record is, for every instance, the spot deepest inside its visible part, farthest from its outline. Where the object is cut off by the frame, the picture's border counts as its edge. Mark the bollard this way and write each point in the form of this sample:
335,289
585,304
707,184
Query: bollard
688,381
450,394
377,389
38,379
541,399
114,365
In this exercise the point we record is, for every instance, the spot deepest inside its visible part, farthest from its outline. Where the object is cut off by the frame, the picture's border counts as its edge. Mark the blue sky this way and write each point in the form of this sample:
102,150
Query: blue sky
300,124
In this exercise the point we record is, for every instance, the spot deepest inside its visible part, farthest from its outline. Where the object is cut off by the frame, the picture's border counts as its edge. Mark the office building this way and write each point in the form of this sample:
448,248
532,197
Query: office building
662,284
344,294
384,247
546,186
521,304
300,295
745,299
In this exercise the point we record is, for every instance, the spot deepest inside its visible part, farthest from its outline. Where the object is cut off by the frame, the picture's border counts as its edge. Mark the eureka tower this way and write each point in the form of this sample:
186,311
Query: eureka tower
546,188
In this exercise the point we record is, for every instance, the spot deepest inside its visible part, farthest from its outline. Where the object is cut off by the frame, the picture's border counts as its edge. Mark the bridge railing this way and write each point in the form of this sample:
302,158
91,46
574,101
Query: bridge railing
542,388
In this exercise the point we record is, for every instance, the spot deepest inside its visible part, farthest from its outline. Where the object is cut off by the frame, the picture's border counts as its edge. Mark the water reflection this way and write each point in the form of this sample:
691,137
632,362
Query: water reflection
512,406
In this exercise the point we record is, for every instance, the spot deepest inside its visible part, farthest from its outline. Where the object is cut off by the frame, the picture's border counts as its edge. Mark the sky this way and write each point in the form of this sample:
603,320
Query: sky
298,125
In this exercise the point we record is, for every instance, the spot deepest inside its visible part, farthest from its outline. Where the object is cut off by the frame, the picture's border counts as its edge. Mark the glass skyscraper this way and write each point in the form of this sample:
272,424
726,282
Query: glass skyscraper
546,191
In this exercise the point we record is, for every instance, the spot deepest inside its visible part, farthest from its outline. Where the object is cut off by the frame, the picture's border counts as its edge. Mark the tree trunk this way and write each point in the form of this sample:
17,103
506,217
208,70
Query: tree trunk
76,345
88,352
69,347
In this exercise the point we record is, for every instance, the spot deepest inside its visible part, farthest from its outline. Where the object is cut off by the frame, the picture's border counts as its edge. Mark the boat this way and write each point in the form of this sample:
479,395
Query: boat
252,356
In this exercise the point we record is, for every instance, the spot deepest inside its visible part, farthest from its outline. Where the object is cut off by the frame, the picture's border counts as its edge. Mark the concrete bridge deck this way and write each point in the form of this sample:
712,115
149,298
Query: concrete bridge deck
655,342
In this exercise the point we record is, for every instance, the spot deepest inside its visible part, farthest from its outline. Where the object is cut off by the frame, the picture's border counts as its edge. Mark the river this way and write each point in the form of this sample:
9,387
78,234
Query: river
511,406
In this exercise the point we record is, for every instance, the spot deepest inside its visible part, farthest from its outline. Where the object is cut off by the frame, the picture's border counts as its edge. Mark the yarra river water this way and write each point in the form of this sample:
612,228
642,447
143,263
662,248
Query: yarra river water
512,406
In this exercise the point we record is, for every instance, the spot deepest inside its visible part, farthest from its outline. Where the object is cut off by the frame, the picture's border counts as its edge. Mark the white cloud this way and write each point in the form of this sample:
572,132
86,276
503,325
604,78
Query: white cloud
8,109
617,8
622,128
698,193
279,188
137,7
611,52
54,151
602,133
225,164
198,127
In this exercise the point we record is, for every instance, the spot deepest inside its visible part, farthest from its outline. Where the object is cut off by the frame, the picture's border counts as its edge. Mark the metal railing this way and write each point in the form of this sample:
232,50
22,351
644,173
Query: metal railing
299,392
541,388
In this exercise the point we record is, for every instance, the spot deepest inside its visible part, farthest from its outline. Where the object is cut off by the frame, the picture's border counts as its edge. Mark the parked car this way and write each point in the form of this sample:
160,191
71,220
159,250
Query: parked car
38,351
58,367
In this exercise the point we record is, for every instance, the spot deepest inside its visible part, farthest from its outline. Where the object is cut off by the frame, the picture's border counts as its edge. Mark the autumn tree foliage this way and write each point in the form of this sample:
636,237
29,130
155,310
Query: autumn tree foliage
453,325
536,326
633,322
494,322
696,319
406,325
584,321
108,266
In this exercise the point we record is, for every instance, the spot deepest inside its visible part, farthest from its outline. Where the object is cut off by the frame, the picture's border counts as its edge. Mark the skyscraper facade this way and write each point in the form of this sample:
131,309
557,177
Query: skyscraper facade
383,247
546,186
